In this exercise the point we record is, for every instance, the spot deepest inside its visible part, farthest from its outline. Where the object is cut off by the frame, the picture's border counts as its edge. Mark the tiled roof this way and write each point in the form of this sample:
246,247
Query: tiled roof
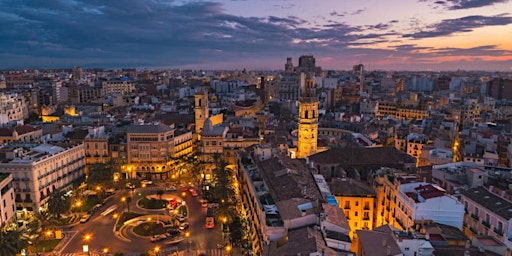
492,202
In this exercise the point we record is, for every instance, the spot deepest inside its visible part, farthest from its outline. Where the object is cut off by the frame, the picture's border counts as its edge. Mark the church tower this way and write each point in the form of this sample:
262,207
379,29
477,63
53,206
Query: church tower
308,120
201,110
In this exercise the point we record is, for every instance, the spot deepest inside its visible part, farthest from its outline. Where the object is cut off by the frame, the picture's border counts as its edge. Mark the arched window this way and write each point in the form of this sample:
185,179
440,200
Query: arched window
200,102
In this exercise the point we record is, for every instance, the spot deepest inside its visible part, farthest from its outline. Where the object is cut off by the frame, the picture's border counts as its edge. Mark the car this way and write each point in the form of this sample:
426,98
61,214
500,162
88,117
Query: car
193,192
204,203
170,188
157,238
184,225
130,185
85,218
184,189
173,232
181,218
146,182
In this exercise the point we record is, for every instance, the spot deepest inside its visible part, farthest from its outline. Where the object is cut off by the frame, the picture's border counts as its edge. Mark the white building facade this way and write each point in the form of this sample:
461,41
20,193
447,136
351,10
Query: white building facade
7,206
40,169
421,201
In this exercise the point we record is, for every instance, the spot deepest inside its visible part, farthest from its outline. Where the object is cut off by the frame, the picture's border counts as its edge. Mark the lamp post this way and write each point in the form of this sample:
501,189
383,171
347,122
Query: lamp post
228,249
105,251
123,199
187,235
157,250
87,238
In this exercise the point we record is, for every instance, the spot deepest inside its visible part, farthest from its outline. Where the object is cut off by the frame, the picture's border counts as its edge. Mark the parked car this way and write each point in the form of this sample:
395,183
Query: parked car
184,225
170,188
85,218
146,182
157,238
193,192
204,203
181,218
130,185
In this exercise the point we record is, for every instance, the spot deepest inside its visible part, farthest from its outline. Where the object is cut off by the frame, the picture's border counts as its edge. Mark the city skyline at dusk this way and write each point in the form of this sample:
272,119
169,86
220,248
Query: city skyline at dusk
383,35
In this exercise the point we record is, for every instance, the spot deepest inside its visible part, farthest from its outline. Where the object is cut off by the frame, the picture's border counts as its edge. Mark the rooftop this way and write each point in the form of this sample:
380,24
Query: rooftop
493,202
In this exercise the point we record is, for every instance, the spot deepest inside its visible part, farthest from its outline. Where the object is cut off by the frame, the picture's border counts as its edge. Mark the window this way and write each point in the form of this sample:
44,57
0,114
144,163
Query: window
347,204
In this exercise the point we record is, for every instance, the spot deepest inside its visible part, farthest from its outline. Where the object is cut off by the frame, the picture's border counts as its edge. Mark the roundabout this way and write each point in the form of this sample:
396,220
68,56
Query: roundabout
157,223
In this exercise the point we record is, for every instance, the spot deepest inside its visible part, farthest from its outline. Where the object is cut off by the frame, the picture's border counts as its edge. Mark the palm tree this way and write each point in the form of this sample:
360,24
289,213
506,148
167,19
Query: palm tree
43,220
58,203
160,193
12,241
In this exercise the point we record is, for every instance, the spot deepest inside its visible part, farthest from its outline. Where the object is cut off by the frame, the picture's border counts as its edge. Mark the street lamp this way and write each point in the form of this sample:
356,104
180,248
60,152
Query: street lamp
157,250
87,238
105,251
123,199
79,206
228,249
187,235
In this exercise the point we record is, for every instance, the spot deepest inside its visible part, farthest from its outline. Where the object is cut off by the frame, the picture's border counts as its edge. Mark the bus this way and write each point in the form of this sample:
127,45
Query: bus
210,218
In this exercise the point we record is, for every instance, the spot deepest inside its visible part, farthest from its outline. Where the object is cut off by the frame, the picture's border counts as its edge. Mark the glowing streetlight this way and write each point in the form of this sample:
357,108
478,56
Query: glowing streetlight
228,249
187,235
157,250
87,238
105,251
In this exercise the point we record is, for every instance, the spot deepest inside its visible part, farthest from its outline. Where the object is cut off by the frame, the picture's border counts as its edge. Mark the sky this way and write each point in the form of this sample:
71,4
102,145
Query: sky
431,35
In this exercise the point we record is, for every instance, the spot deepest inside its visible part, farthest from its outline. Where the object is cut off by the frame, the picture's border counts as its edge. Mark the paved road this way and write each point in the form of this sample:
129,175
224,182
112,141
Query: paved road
100,228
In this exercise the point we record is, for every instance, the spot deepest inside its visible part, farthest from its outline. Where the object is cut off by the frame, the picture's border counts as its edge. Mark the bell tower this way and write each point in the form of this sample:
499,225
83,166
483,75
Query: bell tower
201,110
308,120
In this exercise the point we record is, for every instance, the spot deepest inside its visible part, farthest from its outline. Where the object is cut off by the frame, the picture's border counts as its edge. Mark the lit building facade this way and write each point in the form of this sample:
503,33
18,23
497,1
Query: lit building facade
308,121
149,151
7,206
357,200
39,169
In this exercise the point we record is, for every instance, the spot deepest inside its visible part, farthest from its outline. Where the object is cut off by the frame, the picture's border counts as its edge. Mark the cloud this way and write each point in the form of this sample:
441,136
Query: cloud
464,24
146,33
465,4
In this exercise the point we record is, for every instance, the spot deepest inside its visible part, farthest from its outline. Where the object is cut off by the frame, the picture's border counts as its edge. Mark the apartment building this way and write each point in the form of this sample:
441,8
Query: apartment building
39,169
7,205
149,150
280,200
13,107
455,177
121,86
23,133
487,214
357,200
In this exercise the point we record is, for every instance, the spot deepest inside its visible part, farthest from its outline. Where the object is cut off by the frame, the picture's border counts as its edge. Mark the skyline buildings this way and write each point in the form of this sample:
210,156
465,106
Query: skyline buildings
397,35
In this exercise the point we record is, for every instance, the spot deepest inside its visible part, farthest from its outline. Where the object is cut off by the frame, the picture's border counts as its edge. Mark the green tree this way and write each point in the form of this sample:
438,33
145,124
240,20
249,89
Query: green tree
43,221
12,242
58,203
102,174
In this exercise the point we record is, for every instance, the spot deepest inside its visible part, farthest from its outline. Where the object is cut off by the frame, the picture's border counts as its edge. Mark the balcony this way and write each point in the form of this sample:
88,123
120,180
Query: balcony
498,232
472,229
486,223
474,216
366,208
